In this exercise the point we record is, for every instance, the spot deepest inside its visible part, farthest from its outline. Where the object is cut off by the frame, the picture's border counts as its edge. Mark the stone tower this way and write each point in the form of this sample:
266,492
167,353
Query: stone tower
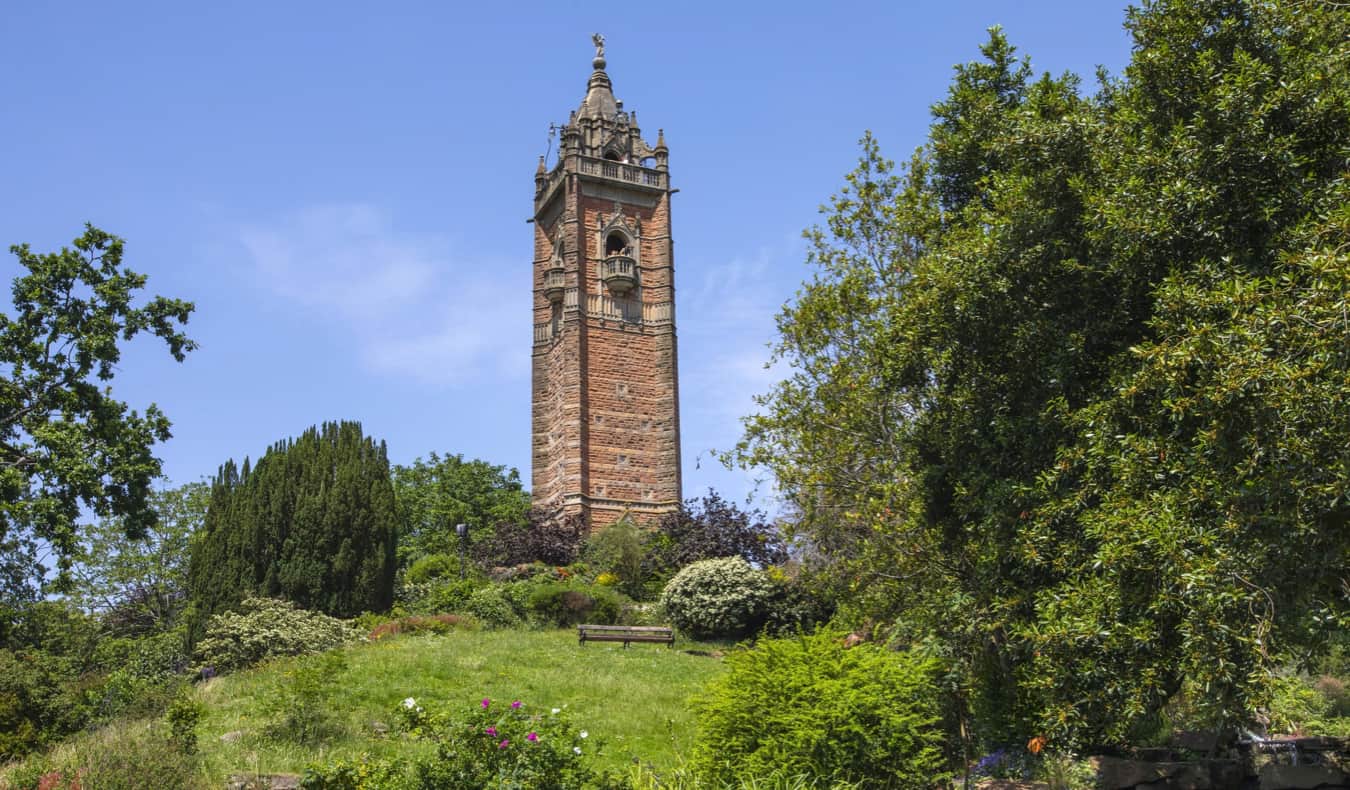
606,415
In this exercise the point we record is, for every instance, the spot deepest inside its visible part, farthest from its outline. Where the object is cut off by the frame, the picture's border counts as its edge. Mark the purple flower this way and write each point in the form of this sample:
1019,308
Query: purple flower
531,737
486,703
503,744
491,731
515,705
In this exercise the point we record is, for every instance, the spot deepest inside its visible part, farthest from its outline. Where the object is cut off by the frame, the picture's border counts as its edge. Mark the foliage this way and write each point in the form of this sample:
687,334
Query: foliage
560,604
66,445
711,528
41,701
617,551
125,755
432,624
809,705
1070,382
436,596
182,717
299,709
1300,706
266,627
313,523
491,606
552,540
718,598
797,604
437,493
432,567
496,745
139,585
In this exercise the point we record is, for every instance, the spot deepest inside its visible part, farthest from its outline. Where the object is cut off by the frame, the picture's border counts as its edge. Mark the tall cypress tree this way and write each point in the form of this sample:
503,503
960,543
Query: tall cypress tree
312,522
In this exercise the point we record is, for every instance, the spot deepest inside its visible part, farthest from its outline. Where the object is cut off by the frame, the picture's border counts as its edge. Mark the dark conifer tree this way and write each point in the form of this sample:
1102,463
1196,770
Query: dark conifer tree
313,522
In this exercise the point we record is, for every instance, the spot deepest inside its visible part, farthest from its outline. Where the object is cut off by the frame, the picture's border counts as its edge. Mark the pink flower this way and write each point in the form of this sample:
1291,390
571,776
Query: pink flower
531,737
503,744
515,705
491,731
486,703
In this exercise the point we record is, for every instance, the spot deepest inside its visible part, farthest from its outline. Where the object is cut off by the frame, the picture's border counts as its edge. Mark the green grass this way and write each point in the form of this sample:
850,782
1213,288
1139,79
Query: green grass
635,700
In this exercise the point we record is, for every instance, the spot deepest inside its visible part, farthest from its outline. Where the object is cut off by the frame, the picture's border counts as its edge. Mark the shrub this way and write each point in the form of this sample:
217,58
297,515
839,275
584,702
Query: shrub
618,550
266,627
182,717
417,624
432,566
436,596
564,605
126,755
795,605
717,598
543,538
497,745
40,701
809,706
298,708
490,605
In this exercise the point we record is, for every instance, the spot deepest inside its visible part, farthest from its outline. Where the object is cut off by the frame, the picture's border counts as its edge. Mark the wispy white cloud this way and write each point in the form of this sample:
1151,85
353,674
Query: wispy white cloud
415,307
726,325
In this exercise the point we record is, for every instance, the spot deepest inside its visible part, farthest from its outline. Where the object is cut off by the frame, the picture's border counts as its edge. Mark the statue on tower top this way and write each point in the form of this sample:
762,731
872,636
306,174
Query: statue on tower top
599,42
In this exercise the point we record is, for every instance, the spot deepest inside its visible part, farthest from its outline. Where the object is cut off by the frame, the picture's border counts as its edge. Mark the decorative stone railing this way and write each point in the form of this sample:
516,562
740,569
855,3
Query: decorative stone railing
619,272
610,309
620,171
555,282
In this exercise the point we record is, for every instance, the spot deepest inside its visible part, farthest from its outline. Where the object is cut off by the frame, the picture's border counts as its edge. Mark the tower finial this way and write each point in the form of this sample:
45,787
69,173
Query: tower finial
599,42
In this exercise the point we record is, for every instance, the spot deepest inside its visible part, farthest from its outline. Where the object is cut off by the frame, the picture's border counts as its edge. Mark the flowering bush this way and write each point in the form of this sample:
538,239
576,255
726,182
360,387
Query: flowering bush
265,627
497,744
718,598
809,706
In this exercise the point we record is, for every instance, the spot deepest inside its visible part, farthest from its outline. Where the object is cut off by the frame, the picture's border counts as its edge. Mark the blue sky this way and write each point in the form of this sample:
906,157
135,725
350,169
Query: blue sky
342,187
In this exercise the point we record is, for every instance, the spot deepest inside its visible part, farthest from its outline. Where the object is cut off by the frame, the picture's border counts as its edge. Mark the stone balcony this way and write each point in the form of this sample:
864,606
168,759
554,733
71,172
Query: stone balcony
555,282
619,273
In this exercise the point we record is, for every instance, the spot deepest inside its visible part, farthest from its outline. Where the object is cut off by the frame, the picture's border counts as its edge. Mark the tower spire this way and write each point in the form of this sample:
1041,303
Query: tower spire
599,101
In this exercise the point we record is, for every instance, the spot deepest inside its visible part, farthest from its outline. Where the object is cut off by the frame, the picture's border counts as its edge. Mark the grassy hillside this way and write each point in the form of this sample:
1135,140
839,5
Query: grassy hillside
635,700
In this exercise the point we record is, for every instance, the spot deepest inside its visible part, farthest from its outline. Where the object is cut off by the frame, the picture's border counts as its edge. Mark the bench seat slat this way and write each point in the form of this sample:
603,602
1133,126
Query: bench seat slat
625,633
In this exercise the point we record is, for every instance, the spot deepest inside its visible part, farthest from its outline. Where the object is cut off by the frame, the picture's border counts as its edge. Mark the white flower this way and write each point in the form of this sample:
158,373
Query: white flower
576,749
556,711
409,703
585,734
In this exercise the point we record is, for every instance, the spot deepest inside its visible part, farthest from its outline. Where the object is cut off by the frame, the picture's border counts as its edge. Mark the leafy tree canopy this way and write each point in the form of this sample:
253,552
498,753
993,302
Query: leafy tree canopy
140,585
437,493
1069,389
65,442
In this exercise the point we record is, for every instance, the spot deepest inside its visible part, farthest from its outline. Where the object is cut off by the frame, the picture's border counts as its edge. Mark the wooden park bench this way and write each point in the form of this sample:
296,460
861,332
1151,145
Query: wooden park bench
625,634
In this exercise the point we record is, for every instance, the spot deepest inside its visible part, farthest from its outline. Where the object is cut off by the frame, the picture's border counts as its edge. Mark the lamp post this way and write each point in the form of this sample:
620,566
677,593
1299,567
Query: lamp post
462,530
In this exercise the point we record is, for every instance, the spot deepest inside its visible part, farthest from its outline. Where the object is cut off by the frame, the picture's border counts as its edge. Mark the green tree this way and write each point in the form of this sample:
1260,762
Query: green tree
65,442
313,523
1068,391
437,493
139,585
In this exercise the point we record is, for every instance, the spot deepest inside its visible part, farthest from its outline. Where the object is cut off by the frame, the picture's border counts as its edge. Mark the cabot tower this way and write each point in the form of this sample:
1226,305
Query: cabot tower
606,415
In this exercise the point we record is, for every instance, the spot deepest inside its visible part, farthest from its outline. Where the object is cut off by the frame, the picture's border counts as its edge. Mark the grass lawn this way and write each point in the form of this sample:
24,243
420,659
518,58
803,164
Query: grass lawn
635,700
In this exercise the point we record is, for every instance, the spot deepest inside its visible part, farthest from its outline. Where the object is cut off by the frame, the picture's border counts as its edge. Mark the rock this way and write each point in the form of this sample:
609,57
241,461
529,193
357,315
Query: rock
1115,773
1302,777
1198,741
232,737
